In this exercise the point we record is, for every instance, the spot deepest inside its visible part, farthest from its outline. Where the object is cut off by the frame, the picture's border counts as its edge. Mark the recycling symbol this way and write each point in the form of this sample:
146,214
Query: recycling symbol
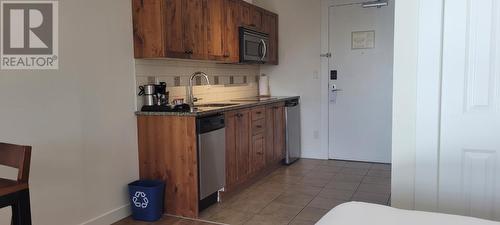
140,200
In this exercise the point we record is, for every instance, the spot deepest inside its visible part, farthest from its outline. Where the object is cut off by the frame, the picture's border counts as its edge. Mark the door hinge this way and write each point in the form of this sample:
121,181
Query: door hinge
327,55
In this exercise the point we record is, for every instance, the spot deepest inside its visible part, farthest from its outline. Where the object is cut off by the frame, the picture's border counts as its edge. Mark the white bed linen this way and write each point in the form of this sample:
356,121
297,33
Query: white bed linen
358,213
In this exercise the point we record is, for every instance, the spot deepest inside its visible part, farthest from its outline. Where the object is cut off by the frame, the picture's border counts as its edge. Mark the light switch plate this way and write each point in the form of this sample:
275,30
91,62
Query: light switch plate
315,75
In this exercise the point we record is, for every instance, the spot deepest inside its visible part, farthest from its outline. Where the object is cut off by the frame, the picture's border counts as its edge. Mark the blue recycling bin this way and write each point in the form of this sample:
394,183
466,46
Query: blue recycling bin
146,199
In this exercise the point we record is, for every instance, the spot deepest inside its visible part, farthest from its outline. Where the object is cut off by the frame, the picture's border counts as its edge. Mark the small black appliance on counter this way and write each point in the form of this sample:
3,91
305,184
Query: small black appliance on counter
156,99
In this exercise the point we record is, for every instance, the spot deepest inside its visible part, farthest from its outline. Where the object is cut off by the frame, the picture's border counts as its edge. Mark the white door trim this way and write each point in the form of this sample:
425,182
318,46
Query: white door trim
429,76
324,79
325,70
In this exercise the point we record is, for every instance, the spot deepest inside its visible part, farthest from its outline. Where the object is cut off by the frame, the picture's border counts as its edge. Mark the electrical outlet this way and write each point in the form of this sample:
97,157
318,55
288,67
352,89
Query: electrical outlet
316,134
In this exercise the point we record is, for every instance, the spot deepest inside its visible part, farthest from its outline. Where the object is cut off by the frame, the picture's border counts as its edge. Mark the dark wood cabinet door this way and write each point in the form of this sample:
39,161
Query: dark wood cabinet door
231,150
195,37
251,16
270,26
174,29
256,17
215,10
269,134
257,155
279,129
198,29
148,22
231,39
244,14
243,144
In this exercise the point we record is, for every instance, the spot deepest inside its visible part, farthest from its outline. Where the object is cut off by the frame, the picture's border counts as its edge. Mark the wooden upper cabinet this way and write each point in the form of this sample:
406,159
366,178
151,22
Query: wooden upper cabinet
195,32
149,35
215,20
270,26
251,15
173,30
198,29
232,20
256,17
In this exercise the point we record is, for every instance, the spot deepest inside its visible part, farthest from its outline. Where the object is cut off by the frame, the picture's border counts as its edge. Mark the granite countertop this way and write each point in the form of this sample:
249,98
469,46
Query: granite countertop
238,104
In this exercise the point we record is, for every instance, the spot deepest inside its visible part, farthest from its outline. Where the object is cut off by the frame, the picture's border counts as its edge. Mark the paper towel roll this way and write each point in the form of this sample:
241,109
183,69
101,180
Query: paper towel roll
264,86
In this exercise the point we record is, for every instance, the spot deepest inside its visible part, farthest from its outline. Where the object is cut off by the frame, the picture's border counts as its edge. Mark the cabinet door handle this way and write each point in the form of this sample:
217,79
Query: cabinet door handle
258,113
258,126
260,153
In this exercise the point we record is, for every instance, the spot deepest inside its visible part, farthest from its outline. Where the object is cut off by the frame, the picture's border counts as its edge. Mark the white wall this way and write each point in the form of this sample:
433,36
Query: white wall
404,103
79,119
299,68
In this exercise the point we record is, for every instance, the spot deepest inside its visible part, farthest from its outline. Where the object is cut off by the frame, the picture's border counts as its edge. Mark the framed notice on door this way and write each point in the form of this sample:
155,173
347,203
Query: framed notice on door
363,39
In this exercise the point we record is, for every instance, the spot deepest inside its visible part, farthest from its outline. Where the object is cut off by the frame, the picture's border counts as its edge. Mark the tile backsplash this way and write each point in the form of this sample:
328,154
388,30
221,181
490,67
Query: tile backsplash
227,81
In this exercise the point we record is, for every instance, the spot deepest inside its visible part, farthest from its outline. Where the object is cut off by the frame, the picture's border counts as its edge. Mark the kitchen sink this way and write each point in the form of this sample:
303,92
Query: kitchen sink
215,105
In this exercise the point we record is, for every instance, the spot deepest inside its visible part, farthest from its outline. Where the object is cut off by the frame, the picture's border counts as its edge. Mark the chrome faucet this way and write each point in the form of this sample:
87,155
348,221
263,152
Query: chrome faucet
190,98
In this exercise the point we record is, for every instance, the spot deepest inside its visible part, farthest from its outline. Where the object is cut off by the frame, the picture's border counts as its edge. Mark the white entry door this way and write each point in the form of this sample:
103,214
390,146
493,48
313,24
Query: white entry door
360,111
469,155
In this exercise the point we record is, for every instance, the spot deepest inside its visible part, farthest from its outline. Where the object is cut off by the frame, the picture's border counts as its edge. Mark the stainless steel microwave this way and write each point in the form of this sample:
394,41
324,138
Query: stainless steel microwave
253,46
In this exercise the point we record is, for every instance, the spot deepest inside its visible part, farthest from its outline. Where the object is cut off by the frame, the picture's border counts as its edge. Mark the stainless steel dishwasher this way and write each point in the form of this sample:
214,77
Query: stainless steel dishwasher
292,115
211,158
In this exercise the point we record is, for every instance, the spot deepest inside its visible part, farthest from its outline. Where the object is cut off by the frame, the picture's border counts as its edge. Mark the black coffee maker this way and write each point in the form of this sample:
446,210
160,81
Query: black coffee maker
155,97
161,94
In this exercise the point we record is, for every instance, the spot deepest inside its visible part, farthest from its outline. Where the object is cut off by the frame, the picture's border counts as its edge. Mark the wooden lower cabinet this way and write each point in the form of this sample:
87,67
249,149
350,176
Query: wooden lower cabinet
270,133
231,152
254,142
237,146
168,151
171,157
257,153
279,131
243,144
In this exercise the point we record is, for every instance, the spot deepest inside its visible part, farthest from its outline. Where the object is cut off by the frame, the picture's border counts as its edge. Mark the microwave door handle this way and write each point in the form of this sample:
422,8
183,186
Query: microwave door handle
260,49
264,45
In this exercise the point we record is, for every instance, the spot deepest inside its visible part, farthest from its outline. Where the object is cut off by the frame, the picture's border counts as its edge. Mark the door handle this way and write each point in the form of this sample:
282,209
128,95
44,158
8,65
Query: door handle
335,90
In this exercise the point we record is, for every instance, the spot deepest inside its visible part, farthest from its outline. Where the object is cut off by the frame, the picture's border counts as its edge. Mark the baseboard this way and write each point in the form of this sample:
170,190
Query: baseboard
110,217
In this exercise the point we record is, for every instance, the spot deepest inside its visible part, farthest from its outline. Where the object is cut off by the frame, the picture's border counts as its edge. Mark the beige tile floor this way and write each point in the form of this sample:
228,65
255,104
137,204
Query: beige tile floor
299,194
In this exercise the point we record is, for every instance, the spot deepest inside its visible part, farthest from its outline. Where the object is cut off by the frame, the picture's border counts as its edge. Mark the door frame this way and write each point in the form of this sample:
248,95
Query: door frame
325,64
413,186
428,104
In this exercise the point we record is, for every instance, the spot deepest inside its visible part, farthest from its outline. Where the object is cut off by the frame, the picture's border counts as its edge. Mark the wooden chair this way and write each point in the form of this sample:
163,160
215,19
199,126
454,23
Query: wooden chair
15,193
